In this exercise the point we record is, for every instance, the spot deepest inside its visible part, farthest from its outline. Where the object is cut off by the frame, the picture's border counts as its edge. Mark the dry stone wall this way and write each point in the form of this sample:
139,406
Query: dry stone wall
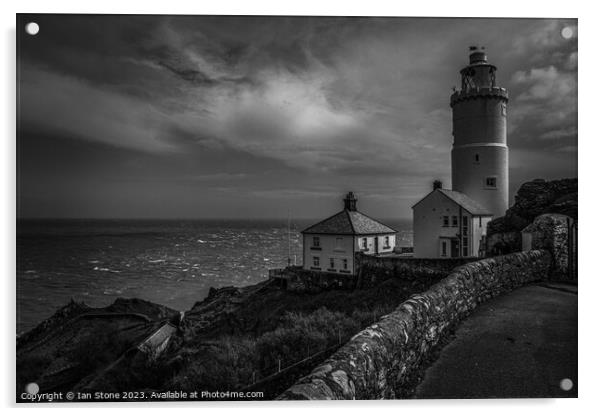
551,232
379,362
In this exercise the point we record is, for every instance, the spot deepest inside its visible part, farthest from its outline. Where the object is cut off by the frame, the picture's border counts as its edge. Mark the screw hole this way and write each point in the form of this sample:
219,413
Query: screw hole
566,384
32,28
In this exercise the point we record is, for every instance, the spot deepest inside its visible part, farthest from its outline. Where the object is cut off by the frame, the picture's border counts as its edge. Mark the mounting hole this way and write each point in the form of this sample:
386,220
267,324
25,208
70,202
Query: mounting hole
566,384
32,388
32,28
566,32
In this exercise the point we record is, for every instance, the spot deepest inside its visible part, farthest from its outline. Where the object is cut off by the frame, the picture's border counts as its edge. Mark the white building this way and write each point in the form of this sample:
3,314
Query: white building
451,223
448,224
331,244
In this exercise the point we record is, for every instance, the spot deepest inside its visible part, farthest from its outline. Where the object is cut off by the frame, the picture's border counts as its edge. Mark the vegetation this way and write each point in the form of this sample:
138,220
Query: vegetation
233,339
293,327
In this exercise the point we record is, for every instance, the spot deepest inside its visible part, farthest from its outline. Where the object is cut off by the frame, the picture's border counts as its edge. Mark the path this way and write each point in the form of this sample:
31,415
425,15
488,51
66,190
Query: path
522,344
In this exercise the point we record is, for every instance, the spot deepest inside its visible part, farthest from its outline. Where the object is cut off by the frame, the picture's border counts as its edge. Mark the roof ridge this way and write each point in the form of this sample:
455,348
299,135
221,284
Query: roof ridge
450,194
321,222
463,203
377,221
350,221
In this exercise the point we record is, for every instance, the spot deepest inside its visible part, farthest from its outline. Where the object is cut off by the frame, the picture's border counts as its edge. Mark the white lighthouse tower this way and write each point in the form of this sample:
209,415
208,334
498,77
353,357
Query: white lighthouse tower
479,153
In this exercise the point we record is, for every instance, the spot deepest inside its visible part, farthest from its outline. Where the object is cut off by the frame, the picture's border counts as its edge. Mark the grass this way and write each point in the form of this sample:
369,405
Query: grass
281,328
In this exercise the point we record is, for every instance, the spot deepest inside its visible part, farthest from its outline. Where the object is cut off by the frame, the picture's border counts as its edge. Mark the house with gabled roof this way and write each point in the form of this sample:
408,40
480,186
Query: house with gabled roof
330,245
449,224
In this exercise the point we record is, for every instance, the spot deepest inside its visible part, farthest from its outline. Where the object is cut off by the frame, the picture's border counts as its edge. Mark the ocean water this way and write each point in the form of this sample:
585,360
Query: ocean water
172,262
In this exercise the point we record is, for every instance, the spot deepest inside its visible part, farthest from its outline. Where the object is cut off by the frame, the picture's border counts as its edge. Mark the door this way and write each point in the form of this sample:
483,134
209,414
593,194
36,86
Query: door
455,247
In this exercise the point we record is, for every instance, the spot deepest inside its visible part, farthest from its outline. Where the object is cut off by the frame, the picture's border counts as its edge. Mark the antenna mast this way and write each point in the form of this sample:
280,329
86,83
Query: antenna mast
289,237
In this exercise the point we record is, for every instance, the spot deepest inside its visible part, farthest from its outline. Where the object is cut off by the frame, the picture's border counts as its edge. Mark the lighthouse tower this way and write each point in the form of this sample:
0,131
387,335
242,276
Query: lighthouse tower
479,152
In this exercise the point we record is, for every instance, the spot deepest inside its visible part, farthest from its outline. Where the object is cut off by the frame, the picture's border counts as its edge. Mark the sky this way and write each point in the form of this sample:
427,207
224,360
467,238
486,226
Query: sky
266,117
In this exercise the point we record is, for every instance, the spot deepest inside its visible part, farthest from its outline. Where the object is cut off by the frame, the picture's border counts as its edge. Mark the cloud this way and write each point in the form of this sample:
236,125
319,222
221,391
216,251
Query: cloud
358,104
544,84
68,106
545,107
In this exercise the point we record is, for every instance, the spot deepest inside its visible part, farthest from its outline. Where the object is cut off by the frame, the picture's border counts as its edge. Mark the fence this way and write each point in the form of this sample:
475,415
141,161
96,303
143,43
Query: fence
285,374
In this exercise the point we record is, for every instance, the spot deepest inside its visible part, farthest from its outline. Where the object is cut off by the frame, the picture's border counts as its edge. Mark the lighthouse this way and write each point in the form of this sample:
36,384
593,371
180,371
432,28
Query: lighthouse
453,222
479,156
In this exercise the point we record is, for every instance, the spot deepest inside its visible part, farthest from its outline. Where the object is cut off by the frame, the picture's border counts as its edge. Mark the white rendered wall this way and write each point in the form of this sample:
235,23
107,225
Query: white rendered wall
478,231
479,128
469,175
428,224
370,239
328,250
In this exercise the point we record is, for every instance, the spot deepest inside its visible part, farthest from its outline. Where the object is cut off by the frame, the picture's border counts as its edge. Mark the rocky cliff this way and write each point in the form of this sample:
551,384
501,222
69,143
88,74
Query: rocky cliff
532,200
227,341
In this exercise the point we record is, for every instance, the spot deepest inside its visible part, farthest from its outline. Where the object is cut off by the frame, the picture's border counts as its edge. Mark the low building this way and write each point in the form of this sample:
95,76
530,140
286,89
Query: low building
449,224
331,244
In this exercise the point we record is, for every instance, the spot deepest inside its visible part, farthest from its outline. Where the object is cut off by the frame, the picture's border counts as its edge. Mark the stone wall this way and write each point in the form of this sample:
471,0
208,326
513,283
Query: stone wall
299,280
551,232
379,362
373,270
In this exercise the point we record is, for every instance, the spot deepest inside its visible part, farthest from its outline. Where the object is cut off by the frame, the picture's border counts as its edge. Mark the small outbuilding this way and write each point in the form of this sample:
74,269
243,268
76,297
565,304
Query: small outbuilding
331,244
449,224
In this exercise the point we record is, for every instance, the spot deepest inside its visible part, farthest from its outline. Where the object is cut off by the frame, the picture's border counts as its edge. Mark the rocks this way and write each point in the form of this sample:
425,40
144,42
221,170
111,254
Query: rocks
78,341
379,362
532,199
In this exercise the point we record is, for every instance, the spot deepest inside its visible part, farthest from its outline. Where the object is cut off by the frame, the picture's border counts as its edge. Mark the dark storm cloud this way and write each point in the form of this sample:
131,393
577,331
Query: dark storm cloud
223,112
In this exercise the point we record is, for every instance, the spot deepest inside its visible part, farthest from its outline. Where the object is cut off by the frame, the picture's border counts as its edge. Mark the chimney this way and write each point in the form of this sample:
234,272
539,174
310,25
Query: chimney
350,202
437,184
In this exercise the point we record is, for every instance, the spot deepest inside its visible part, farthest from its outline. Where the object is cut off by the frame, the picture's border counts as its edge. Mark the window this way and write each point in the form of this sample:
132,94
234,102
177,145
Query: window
316,261
331,263
455,221
476,158
480,222
491,182
387,242
365,243
316,242
345,264
444,249
446,220
339,244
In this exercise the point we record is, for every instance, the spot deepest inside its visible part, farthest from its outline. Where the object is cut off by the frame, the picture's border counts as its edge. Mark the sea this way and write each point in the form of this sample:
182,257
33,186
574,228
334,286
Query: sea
171,262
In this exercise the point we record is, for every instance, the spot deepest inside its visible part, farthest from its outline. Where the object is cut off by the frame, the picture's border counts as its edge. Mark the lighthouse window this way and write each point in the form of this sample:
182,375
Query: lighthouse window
476,158
491,182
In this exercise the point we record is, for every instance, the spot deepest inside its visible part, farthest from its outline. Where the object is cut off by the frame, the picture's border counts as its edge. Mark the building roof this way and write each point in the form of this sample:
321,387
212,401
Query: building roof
349,222
462,200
